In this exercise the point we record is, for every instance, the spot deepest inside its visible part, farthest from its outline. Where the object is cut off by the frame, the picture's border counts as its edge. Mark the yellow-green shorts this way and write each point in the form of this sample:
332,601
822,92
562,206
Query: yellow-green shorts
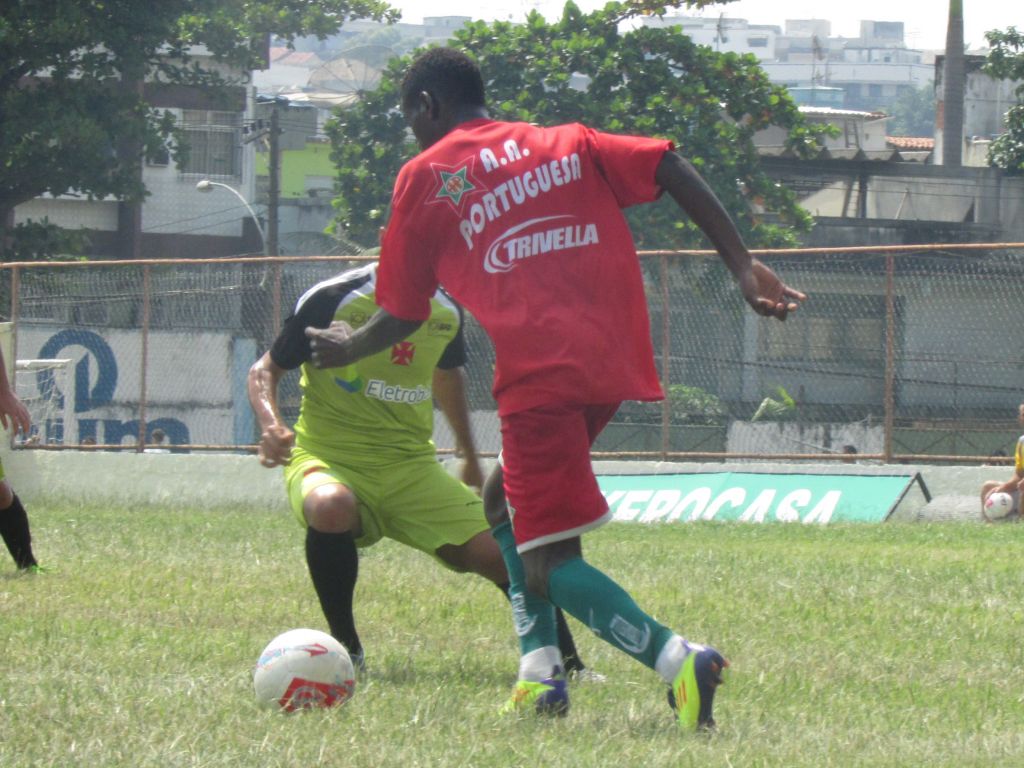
414,501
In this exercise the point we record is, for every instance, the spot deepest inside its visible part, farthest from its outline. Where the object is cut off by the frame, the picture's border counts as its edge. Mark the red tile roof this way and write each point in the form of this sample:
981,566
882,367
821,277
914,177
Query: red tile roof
300,59
910,142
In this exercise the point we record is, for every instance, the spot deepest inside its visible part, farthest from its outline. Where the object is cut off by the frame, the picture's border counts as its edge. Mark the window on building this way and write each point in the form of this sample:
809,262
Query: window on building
757,42
319,186
213,141
888,30
874,89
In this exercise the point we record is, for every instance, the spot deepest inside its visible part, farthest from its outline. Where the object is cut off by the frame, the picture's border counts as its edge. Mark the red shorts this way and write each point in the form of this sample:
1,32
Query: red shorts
549,481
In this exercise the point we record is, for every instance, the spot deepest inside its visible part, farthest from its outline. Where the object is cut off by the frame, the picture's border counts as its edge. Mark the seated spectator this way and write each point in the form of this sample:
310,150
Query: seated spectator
1015,484
157,442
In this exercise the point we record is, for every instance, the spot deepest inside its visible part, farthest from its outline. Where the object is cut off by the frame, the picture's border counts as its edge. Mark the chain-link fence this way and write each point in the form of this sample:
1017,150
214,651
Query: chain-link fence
900,354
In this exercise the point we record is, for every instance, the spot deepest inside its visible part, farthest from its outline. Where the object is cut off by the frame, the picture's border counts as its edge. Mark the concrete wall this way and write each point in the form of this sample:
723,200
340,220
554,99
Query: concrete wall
238,479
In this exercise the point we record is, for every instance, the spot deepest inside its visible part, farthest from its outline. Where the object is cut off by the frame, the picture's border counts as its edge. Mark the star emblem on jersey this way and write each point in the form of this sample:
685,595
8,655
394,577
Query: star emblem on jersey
455,183
403,352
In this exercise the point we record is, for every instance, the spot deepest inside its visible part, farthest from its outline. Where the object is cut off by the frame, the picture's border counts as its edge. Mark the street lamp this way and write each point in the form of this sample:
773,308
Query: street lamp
205,185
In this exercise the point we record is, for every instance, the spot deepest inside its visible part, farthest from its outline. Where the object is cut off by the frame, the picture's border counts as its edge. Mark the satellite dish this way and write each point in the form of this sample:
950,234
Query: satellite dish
354,70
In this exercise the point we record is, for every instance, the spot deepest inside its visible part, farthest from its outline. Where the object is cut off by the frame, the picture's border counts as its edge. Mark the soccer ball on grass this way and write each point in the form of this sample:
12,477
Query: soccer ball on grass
998,507
304,669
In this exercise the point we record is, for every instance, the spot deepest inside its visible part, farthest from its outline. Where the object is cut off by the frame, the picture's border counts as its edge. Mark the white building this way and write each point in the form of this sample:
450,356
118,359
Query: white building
176,219
986,101
870,71
723,34
859,132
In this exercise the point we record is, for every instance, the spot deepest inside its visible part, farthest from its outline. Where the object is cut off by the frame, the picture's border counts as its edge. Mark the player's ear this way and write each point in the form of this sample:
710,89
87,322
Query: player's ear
430,104
416,105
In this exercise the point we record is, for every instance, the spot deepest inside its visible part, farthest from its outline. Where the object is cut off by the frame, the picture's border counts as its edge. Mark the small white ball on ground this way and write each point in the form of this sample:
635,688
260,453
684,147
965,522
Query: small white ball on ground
998,506
304,669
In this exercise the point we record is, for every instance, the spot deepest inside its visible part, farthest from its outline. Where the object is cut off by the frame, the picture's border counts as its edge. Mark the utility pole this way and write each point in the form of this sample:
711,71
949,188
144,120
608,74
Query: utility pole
130,153
272,136
274,189
953,85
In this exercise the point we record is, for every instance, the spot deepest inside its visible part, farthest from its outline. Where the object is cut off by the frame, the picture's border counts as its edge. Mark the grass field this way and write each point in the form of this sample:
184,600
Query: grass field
890,645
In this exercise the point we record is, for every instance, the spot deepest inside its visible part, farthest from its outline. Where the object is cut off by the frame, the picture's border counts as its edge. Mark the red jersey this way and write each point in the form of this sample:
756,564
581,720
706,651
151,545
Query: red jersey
523,226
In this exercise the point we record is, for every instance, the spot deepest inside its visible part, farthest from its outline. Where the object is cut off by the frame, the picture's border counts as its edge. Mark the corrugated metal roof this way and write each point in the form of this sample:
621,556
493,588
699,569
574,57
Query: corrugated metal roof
832,112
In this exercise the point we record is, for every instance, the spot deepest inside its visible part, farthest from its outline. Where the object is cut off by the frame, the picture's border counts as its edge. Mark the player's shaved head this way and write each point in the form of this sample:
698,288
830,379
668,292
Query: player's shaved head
449,75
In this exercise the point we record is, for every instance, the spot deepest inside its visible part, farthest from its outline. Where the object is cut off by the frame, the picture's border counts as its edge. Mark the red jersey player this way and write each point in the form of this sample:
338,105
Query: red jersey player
523,225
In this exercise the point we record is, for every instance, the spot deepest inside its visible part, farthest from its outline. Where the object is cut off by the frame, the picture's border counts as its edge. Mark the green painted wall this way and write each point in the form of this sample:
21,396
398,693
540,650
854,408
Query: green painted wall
296,165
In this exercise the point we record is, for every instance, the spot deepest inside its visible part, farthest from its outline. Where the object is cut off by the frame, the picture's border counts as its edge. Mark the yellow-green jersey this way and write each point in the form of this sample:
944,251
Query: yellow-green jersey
1018,456
380,408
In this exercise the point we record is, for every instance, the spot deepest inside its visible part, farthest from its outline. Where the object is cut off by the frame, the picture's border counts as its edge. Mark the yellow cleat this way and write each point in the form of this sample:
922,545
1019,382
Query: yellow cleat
547,697
693,689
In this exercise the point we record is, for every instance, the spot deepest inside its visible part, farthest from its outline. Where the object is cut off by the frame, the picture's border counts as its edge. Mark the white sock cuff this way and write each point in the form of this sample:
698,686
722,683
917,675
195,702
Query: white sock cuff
538,664
670,658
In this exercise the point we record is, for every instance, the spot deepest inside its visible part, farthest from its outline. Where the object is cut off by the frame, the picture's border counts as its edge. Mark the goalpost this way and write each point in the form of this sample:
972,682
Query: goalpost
43,386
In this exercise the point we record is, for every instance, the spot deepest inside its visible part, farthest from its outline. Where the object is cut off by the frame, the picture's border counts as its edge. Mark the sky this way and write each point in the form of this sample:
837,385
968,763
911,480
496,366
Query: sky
924,20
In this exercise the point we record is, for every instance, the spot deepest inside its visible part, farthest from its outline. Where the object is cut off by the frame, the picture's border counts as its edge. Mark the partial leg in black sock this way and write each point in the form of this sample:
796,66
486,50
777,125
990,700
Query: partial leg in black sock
16,535
334,567
570,656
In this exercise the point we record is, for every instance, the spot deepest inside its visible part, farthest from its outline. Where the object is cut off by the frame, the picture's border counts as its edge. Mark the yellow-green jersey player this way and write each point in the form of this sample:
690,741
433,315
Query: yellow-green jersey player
360,463
380,409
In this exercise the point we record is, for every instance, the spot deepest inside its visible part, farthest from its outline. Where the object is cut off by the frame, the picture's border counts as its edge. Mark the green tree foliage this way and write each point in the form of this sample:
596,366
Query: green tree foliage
368,46
30,239
771,409
72,116
686,405
913,113
1006,61
585,68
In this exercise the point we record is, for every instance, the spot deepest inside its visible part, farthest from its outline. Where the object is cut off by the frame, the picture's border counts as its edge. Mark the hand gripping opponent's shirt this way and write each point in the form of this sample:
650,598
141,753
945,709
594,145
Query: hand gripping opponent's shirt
524,227
380,407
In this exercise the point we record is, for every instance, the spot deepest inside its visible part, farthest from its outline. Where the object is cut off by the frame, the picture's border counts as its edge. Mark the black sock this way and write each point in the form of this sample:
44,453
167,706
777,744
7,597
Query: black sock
15,533
334,567
570,656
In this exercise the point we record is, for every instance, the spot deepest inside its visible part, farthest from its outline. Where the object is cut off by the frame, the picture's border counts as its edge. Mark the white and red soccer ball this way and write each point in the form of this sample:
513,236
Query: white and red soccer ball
304,669
998,506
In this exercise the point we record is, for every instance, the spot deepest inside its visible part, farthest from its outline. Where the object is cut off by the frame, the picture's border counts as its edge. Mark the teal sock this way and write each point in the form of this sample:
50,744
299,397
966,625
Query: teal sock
581,590
534,616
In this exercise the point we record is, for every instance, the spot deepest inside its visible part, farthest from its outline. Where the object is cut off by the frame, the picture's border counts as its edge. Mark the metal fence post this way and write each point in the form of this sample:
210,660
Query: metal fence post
13,362
144,362
890,356
275,326
666,341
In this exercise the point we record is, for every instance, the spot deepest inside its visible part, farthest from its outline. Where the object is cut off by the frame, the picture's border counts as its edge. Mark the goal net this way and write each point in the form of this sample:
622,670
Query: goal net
42,385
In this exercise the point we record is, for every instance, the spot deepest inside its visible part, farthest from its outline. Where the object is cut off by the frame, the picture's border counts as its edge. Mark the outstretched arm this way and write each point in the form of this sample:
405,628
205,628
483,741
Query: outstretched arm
13,413
276,438
338,345
761,288
1015,483
450,394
